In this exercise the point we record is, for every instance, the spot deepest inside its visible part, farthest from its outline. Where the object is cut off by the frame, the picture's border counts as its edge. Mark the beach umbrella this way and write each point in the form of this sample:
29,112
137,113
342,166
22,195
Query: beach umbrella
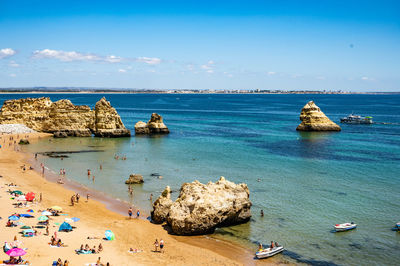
30,196
18,192
46,213
109,235
69,220
21,198
26,215
28,231
65,227
13,218
43,218
25,227
75,219
16,252
30,210
56,208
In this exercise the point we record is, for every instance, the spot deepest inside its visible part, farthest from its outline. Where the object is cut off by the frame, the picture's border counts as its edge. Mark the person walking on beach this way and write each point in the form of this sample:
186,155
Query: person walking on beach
77,197
87,197
40,197
161,245
130,212
137,214
72,200
156,245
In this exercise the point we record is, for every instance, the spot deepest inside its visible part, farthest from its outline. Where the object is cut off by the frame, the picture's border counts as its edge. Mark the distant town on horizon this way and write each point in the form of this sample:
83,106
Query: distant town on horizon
179,91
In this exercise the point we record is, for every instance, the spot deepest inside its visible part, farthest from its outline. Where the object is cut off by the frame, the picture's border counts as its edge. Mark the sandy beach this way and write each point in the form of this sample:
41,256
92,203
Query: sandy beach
95,218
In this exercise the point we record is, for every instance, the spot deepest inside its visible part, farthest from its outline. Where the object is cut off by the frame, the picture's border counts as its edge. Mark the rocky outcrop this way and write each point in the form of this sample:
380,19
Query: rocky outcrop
23,142
154,126
63,118
313,119
107,121
200,208
161,206
134,179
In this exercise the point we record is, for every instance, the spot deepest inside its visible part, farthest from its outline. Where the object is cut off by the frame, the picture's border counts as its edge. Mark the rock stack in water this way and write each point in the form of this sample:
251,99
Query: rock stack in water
154,126
200,208
313,119
63,118
107,121
134,179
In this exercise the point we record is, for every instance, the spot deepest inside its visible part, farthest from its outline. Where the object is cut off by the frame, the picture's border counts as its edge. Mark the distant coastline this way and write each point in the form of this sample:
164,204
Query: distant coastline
73,90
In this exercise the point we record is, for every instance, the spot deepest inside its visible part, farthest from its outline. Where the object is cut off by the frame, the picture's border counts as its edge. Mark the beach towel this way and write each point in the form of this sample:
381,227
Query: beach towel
83,251
135,251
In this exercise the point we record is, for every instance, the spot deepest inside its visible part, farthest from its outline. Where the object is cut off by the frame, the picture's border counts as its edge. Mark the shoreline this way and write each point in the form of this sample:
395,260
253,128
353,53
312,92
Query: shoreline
208,247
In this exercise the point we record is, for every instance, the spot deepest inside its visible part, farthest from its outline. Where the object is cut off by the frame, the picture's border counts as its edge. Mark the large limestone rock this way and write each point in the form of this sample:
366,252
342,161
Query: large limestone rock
162,206
154,126
63,118
107,121
200,208
134,179
313,119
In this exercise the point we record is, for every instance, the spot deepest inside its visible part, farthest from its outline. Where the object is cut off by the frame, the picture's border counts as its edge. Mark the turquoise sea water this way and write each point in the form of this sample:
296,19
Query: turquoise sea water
309,181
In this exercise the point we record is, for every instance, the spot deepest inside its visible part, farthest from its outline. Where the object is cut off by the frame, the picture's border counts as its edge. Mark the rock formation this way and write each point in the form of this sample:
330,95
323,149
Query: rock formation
154,126
23,142
62,118
134,179
200,208
161,206
313,119
107,121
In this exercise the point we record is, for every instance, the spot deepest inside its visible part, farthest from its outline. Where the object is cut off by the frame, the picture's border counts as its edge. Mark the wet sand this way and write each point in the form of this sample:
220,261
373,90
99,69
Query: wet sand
97,215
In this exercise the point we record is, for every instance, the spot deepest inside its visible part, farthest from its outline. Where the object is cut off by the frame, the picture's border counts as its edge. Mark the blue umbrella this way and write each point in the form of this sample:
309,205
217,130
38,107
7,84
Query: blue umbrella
28,231
26,215
13,218
109,235
75,219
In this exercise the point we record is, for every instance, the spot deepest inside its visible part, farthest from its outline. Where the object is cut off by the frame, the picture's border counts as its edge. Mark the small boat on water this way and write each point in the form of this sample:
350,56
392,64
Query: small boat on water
356,119
345,227
269,252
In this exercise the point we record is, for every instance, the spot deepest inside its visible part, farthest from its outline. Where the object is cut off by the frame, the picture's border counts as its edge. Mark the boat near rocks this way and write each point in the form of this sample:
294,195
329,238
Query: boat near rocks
269,252
356,119
345,227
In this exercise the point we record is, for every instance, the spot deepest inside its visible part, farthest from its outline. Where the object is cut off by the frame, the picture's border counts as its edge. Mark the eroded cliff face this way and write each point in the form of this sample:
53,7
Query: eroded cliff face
64,118
200,208
107,121
313,119
154,126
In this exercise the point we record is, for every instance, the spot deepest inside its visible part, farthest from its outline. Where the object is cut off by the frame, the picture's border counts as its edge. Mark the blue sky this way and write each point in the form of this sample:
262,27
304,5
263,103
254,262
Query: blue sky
292,45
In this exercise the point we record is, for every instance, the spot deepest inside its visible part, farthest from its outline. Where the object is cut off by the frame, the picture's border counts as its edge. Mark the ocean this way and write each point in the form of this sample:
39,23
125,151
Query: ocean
304,182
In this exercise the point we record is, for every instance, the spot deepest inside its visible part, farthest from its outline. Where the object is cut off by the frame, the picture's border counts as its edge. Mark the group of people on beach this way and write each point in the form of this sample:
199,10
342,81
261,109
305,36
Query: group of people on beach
86,249
159,246
130,212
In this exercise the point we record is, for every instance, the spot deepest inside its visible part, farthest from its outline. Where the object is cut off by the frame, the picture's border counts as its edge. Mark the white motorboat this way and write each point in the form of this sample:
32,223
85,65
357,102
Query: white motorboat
398,224
269,252
345,226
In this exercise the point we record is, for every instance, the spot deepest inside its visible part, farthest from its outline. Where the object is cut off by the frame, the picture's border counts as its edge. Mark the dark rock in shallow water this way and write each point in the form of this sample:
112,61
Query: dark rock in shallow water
61,154
60,134
23,142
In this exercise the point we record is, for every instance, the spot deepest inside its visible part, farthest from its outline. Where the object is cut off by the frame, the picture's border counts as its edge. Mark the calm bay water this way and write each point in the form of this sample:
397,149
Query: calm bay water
309,181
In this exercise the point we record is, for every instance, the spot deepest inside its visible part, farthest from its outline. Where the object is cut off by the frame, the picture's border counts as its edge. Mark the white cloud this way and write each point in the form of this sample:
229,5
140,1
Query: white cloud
13,64
66,56
206,67
6,52
70,56
121,70
211,62
271,73
367,78
210,71
149,60
13,75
